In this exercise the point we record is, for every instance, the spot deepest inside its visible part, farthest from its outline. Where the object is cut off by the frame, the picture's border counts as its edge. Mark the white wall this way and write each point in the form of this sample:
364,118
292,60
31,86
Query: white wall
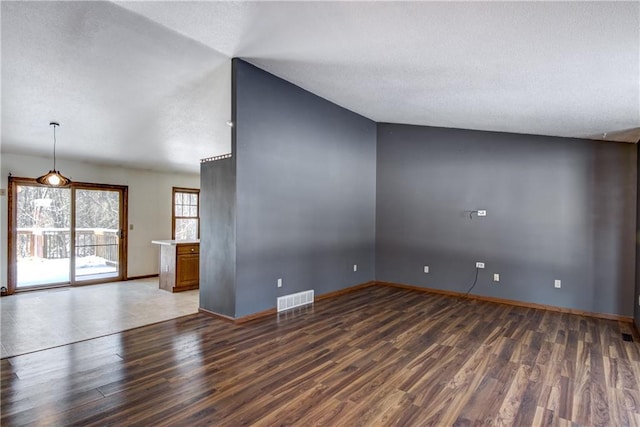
149,203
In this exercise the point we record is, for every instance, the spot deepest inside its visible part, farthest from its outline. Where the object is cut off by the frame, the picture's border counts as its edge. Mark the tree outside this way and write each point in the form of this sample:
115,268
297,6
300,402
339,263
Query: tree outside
44,233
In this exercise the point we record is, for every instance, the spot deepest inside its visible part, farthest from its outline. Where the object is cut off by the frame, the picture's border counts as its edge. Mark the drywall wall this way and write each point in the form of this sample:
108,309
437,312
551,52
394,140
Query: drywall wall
636,297
305,191
149,202
218,236
557,209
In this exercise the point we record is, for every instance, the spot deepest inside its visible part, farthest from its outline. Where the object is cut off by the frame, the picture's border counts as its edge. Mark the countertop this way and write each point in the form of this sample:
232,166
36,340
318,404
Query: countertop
175,242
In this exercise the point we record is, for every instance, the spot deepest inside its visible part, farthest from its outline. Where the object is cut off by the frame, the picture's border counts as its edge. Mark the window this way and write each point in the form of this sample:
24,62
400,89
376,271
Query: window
185,222
65,235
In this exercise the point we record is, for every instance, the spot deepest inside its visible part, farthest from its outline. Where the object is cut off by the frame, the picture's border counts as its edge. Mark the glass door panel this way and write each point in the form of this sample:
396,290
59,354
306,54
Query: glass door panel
97,234
43,235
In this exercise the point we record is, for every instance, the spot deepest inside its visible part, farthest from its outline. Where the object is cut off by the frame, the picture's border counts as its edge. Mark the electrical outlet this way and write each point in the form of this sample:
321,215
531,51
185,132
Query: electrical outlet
496,277
279,282
482,212
479,264
426,268
355,267
557,283
130,226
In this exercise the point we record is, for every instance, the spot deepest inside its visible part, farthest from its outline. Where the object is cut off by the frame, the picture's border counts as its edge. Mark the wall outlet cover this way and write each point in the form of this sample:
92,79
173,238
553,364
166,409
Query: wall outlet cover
482,212
279,282
557,283
496,277
479,264
355,267
426,268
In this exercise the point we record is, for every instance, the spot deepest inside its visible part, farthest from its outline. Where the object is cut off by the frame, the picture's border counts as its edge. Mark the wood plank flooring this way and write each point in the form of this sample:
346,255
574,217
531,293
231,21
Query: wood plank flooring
378,356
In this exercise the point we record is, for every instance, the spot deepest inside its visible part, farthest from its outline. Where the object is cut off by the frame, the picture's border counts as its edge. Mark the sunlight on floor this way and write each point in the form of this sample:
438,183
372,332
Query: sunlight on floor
37,320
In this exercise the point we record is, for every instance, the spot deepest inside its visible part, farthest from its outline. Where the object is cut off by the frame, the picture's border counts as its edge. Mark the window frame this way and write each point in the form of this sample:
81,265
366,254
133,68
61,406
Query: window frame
174,191
12,222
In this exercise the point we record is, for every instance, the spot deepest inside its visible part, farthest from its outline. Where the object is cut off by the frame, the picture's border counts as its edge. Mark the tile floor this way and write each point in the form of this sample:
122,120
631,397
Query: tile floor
33,321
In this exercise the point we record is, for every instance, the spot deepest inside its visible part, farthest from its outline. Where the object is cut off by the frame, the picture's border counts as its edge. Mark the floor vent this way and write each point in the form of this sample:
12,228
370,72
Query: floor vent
627,337
295,300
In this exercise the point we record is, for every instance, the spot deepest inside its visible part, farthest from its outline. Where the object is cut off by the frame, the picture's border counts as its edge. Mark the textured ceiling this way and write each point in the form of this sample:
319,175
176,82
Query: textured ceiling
126,91
129,90
562,69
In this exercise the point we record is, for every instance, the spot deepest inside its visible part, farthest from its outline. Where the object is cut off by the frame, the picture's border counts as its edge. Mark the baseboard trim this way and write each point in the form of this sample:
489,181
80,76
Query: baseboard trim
255,316
626,319
333,294
239,320
216,315
272,311
145,276
345,291
340,292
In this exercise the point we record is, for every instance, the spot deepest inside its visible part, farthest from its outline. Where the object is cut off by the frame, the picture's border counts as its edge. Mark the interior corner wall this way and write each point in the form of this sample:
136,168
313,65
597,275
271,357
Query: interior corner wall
636,297
218,236
556,209
305,191
149,206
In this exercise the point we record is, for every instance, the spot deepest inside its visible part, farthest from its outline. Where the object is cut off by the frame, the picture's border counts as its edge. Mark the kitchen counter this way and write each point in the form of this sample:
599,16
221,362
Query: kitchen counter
175,242
179,264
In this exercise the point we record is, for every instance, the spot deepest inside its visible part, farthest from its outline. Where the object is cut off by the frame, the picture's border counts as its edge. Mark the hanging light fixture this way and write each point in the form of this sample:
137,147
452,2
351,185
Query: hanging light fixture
54,178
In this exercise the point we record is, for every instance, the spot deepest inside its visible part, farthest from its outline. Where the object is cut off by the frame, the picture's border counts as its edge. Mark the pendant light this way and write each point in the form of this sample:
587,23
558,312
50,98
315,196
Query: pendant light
54,178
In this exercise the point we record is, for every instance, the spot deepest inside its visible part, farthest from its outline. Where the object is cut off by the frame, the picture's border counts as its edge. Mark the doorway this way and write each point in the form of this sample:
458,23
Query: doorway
65,236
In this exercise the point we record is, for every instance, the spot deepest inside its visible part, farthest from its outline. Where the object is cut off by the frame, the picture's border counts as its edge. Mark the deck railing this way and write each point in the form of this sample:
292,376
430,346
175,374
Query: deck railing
55,243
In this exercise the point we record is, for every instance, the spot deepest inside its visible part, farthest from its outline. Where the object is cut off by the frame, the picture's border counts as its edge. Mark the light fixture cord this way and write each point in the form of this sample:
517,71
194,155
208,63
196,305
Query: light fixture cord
54,147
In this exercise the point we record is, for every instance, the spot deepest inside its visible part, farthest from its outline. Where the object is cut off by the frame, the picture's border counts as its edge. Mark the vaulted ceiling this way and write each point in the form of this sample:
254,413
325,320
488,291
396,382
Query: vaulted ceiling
146,84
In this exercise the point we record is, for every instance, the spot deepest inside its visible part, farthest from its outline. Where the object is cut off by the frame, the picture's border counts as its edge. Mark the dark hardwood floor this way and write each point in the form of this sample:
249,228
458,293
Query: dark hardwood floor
378,356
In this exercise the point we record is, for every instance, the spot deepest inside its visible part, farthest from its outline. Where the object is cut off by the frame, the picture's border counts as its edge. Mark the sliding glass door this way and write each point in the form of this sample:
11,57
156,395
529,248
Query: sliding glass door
97,214
58,236
42,235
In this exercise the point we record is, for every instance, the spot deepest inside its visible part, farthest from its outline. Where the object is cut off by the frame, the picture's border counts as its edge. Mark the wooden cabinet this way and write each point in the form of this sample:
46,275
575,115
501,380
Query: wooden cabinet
179,265
187,267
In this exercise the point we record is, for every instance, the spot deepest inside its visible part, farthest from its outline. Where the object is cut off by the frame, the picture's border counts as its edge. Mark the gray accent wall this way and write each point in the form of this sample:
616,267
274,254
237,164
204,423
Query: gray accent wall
304,192
313,189
636,304
218,236
557,209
